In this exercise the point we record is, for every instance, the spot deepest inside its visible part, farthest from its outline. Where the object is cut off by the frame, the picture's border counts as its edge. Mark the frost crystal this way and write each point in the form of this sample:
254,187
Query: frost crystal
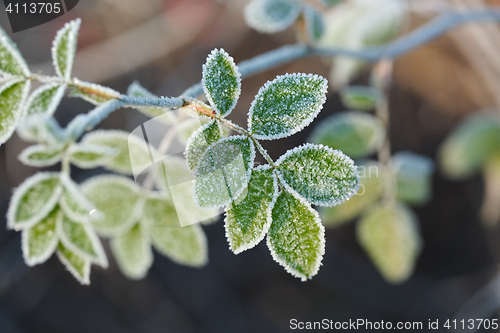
221,82
11,61
78,266
286,105
64,48
44,100
355,133
12,97
248,221
163,115
199,141
296,237
321,175
270,16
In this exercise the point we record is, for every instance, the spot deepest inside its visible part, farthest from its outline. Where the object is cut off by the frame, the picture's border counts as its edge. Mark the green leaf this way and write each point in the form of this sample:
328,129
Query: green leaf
89,156
78,266
133,151
45,99
470,145
360,97
75,204
315,26
163,115
391,237
413,174
296,237
370,190
64,49
81,239
199,141
184,245
41,155
355,133
323,176
40,241
33,200
132,251
271,16
223,172
12,96
118,200
286,105
248,221
221,82
11,61
93,93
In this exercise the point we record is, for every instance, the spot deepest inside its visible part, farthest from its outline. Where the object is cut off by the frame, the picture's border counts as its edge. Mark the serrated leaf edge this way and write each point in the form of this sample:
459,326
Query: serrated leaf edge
72,27
19,110
56,99
85,279
32,261
14,51
26,153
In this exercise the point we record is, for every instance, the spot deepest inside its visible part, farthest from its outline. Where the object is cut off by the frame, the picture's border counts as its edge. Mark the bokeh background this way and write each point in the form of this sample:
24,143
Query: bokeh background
162,44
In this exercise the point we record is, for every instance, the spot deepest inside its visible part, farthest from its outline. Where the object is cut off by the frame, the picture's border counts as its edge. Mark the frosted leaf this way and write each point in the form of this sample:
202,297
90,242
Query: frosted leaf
41,155
78,266
132,149
117,198
12,97
360,97
315,26
64,49
323,176
11,61
40,128
223,172
81,239
356,134
271,16
248,221
329,3
221,82
89,156
33,200
469,145
93,93
184,245
75,204
296,238
45,99
136,90
199,141
370,190
40,241
132,251
413,174
286,105
391,237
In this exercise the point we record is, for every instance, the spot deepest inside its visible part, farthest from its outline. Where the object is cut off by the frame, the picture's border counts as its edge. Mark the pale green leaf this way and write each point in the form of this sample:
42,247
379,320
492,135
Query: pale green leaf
42,129
323,176
132,251
81,239
186,245
370,190
78,266
89,156
64,49
413,174
470,144
41,155
199,141
117,198
12,97
223,172
45,99
271,16
360,97
315,26
164,115
286,105
296,237
221,82
390,235
248,221
355,133
40,241
132,150
93,93
11,61
33,200
75,204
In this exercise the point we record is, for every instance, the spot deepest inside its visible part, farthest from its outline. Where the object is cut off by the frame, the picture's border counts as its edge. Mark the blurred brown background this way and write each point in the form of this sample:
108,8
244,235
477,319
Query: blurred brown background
162,44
